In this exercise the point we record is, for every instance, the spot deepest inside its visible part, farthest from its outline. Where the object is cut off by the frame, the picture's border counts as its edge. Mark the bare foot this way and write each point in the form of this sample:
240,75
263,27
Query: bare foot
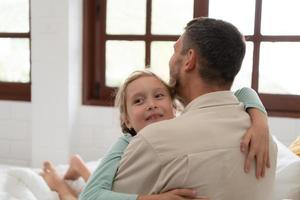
76,164
55,181
52,178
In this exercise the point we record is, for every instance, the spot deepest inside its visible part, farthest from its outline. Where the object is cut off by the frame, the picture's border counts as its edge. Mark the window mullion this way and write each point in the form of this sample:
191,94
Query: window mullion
201,8
15,35
148,38
256,41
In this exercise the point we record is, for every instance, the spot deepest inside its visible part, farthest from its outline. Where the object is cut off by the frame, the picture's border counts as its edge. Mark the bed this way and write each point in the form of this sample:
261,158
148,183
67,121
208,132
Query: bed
24,183
19,183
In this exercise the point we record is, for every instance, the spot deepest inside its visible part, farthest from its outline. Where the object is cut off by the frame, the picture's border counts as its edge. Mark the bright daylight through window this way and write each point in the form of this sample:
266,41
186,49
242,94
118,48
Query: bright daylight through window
122,36
14,50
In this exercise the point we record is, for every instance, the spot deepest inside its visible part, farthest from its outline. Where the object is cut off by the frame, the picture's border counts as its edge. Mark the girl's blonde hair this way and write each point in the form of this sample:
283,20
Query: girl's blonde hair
120,100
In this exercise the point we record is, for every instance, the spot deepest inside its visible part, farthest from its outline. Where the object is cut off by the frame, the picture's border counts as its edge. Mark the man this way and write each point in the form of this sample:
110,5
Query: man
201,148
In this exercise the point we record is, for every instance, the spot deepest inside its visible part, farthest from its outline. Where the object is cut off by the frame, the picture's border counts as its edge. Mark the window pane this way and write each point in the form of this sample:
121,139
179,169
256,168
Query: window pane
14,60
279,68
161,53
169,17
244,77
122,58
280,17
240,13
126,17
14,15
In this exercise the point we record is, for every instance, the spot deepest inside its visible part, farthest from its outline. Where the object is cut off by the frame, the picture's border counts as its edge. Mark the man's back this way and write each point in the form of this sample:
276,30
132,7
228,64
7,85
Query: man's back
200,149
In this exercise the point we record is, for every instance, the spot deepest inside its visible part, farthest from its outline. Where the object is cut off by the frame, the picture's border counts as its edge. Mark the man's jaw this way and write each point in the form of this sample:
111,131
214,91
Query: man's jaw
176,90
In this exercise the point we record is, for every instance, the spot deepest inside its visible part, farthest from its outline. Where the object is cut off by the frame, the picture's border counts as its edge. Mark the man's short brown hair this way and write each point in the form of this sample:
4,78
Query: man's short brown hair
219,46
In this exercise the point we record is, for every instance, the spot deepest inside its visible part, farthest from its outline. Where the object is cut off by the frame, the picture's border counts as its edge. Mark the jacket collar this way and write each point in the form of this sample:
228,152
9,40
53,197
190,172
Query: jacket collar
212,99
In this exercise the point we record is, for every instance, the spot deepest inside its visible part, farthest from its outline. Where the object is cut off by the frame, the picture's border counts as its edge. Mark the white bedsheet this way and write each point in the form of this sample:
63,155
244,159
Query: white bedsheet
287,183
27,184
18,183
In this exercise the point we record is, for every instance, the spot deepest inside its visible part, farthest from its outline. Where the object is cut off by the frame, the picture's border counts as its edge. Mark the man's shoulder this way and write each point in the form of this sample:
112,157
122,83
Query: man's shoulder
160,129
159,136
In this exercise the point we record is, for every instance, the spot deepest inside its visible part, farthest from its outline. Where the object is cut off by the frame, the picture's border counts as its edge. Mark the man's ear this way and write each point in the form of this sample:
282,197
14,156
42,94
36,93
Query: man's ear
190,60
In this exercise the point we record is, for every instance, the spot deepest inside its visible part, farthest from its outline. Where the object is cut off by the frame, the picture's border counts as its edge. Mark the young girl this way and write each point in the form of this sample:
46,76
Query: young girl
143,99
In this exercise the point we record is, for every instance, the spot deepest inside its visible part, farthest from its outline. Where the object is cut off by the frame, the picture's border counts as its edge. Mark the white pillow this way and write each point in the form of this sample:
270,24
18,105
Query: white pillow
287,184
284,156
4,195
24,183
287,180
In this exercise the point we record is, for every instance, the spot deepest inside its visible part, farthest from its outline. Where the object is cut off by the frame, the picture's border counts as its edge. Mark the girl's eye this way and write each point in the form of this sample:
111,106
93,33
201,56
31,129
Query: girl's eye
159,95
138,101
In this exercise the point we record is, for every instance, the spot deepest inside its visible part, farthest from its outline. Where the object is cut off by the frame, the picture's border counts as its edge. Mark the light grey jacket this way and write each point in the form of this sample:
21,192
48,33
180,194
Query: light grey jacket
199,149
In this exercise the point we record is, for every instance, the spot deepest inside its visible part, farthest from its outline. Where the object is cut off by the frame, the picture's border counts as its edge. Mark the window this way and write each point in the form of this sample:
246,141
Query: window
14,50
119,38
122,36
273,38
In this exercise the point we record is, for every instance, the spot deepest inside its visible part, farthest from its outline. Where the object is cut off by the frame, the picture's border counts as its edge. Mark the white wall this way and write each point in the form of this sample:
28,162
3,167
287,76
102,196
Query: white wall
15,133
55,124
285,129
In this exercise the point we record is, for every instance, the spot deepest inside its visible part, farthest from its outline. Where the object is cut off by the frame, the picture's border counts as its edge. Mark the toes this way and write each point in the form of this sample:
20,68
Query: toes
46,164
48,167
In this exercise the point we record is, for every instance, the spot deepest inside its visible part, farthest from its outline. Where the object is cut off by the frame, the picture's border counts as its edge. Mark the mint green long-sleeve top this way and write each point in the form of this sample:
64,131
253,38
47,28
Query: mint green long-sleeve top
99,185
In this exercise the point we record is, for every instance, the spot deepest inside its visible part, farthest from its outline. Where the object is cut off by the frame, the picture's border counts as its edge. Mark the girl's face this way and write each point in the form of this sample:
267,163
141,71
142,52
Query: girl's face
147,101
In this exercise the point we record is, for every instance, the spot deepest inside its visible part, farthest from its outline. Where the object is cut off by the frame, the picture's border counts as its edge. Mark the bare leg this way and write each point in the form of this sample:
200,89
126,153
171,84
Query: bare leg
56,182
77,169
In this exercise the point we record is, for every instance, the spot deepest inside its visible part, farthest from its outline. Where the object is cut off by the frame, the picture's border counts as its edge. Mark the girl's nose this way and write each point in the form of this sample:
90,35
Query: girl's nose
151,105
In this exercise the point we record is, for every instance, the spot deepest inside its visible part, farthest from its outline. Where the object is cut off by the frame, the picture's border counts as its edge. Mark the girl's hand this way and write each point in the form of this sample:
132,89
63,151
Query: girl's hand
255,143
176,194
